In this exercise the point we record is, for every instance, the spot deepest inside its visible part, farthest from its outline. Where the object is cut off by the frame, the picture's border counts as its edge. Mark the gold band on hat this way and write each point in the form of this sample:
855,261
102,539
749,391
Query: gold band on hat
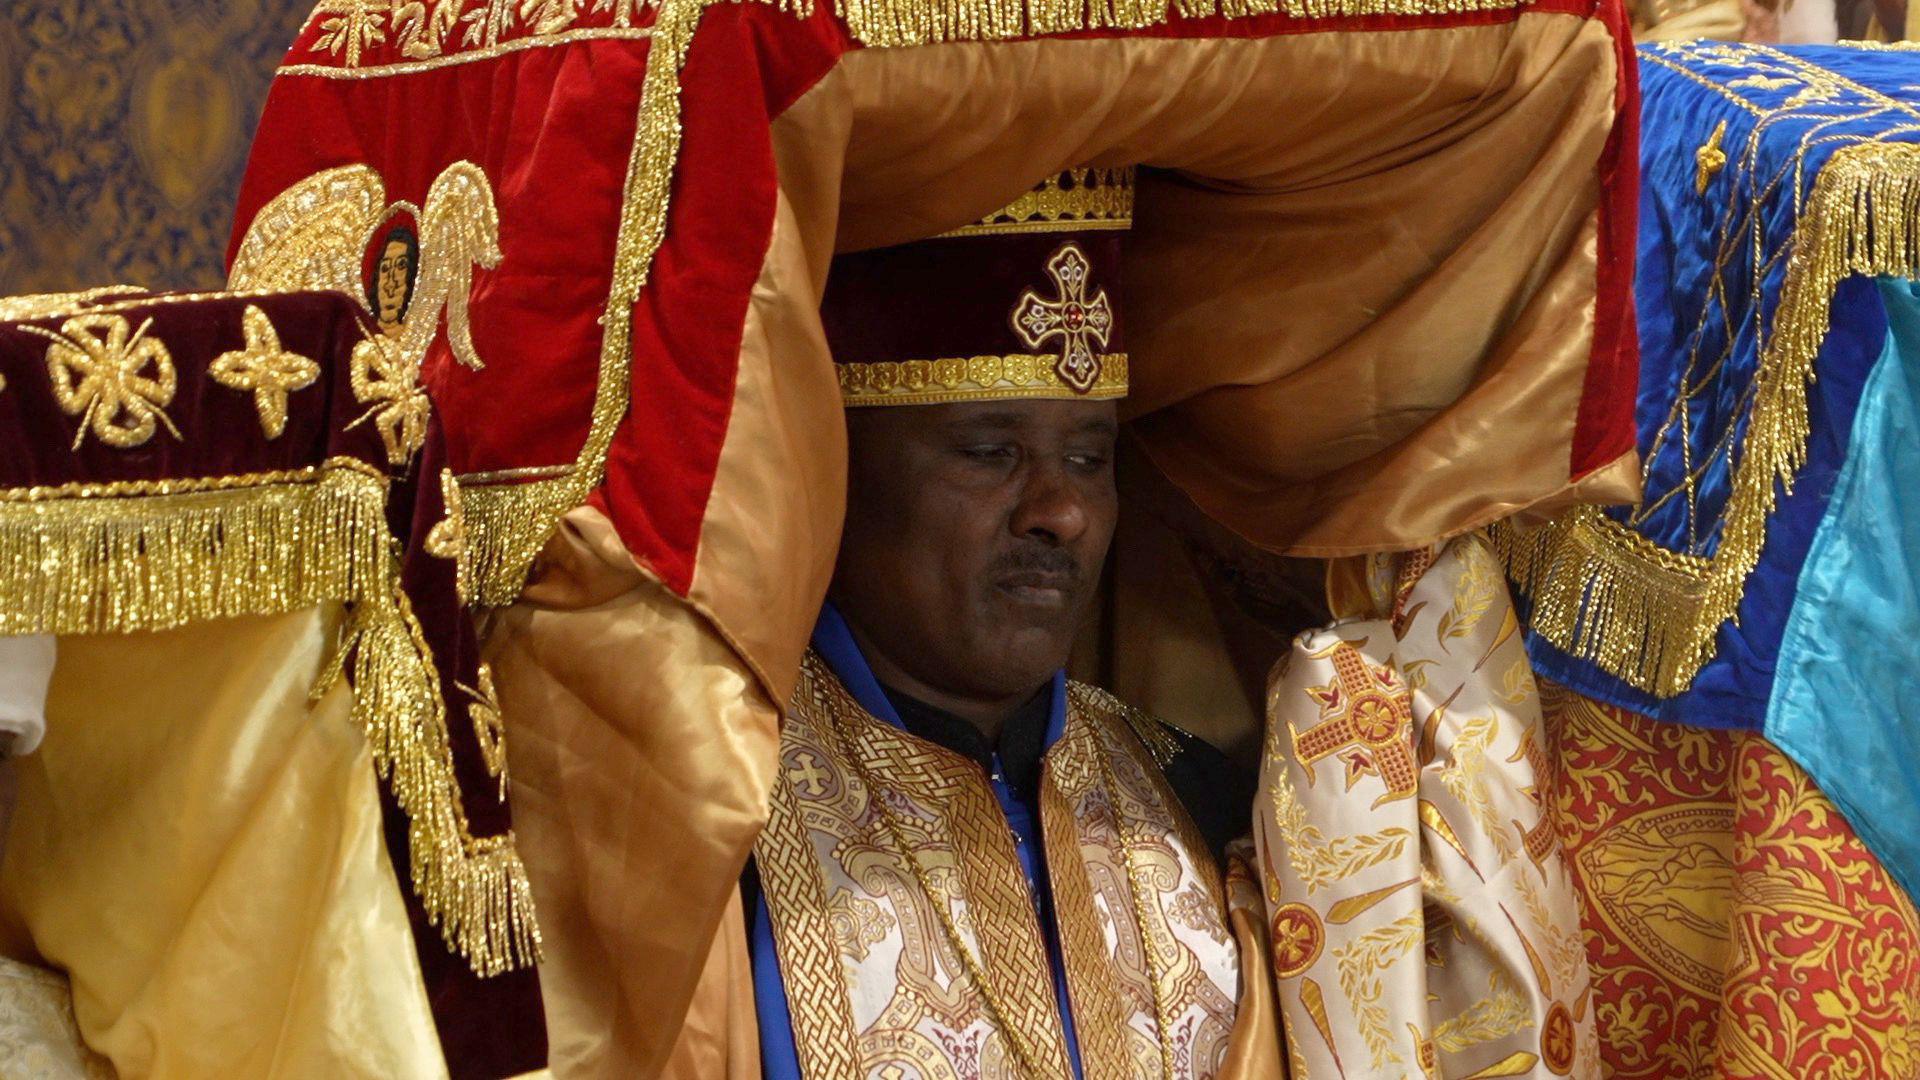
1077,200
975,378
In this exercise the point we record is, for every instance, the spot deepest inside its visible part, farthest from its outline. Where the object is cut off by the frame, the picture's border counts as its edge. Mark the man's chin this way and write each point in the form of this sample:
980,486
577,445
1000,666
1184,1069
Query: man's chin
1029,651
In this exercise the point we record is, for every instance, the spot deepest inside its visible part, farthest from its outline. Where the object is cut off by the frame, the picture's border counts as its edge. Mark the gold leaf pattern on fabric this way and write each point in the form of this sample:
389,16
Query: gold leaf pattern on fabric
1735,924
264,369
116,379
1362,963
879,978
1444,953
489,727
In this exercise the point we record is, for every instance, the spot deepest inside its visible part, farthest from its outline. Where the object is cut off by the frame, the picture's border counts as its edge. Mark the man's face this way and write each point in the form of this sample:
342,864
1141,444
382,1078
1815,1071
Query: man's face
974,539
391,285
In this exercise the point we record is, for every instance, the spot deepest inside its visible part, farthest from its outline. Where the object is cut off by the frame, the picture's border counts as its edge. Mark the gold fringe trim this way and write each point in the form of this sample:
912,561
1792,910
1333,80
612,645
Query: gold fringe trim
1648,616
474,889
152,555
507,525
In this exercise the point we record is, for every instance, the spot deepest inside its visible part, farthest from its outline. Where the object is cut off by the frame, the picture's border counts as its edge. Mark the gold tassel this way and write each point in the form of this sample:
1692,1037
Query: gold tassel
1649,616
151,555
507,524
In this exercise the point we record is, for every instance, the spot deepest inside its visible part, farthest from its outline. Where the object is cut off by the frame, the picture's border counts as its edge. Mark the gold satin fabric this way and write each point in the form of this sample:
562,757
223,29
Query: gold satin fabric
720,1039
1398,358
200,849
642,751
1253,1051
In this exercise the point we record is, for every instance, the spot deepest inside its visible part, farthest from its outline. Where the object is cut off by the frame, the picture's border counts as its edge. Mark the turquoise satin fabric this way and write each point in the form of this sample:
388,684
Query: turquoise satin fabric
1844,703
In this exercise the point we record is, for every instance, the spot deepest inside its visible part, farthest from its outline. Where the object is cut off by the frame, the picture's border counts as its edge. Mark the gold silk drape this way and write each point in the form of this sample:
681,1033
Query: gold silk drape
200,848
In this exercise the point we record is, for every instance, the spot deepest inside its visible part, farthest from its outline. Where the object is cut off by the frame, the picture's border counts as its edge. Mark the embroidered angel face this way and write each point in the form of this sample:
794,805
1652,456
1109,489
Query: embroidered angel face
393,277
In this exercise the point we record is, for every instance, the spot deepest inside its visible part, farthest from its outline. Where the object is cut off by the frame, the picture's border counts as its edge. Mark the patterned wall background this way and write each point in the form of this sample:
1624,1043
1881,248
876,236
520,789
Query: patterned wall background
124,127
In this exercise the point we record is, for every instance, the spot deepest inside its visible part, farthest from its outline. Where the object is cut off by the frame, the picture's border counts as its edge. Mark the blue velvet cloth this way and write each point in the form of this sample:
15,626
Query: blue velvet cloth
1710,270
836,646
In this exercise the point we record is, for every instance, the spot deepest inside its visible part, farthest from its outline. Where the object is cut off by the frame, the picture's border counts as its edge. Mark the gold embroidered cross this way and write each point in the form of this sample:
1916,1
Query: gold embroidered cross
1367,719
265,368
1079,322
1709,159
809,777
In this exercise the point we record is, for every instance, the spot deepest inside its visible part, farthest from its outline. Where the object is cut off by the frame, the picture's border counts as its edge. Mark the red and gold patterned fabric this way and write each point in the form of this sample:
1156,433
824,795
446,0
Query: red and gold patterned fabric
1736,926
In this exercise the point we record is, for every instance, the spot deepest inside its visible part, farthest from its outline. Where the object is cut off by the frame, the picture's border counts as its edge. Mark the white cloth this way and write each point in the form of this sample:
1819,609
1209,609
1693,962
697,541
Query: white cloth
26,665
38,1038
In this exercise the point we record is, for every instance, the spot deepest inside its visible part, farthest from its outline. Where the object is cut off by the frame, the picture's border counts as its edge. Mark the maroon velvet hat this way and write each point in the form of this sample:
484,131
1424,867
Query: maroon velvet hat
1020,304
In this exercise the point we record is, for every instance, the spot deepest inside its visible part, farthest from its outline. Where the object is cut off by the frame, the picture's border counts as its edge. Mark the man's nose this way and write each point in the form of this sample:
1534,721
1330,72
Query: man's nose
1051,507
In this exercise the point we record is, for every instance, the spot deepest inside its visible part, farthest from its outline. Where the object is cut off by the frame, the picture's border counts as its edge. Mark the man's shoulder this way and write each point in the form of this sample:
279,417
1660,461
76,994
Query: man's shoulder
1216,792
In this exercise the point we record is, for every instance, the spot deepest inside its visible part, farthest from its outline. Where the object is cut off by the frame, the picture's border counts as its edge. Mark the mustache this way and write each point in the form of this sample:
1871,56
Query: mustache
1057,565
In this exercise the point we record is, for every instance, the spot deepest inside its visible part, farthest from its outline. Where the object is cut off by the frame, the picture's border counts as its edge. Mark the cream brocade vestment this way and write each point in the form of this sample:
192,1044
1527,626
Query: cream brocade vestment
882,849
1422,919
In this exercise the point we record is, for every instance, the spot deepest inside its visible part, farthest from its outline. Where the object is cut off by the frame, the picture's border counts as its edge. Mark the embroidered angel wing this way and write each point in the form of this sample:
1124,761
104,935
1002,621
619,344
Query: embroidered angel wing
459,229
312,235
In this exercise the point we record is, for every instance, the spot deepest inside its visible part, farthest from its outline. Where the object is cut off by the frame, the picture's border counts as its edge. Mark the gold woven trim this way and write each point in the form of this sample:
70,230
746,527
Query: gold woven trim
44,305
1649,616
884,23
1095,199
156,554
410,67
973,378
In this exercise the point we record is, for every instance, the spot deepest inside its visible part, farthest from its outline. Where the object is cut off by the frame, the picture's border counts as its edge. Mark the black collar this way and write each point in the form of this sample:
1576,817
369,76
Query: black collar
1022,743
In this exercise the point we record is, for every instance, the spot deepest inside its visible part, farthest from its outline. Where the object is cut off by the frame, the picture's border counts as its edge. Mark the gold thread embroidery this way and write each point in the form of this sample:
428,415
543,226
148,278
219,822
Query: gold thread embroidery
411,67
448,537
489,727
46,305
1077,320
1709,159
265,369
98,367
974,378
355,25
382,379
